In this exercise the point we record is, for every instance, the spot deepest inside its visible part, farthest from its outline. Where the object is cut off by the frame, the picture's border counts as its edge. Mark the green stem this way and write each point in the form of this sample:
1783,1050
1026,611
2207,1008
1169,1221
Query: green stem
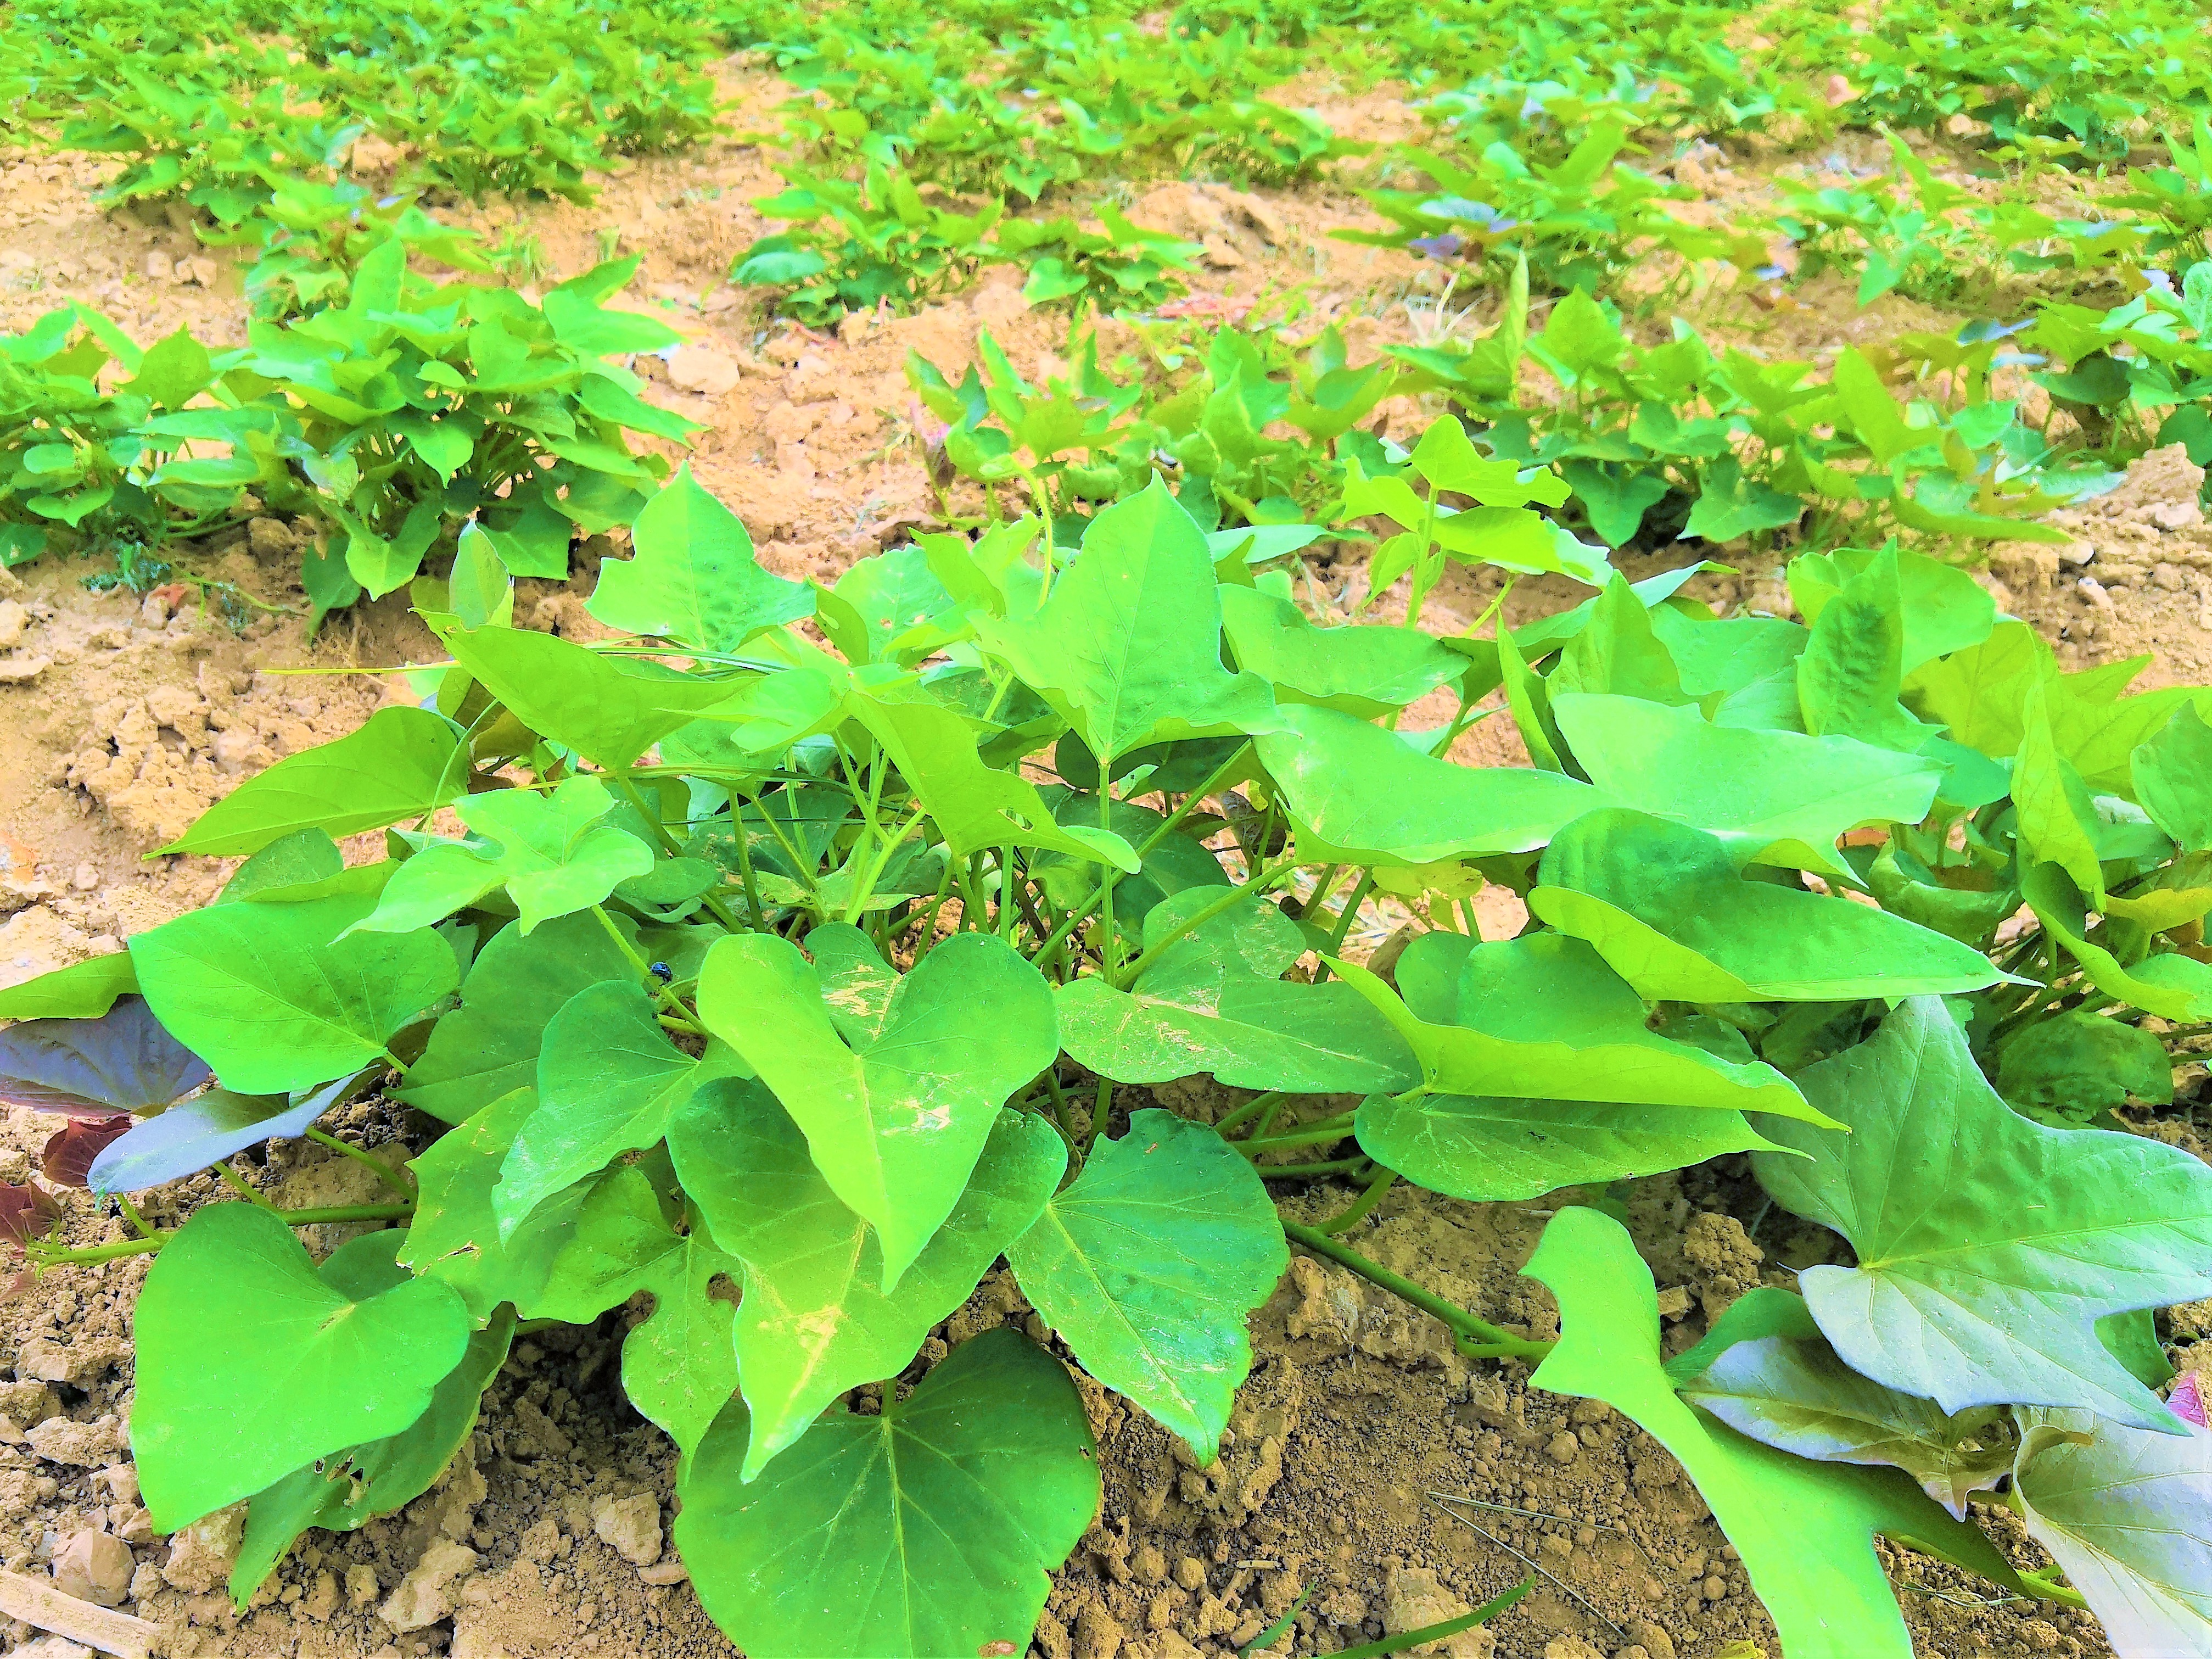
131,1214
2044,1584
1470,1332
1311,1171
239,1184
753,911
1363,1205
1312,1134
290,1218
675,1015
1343,920
1250,1108
1108,948
866,890
1102,1106
384,1172
1166,827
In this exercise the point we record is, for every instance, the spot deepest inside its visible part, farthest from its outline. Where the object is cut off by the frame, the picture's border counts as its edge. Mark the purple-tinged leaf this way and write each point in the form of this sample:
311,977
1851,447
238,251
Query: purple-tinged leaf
193,1134
2128,1515
2187,1401
26,1212
70,1150
123,1061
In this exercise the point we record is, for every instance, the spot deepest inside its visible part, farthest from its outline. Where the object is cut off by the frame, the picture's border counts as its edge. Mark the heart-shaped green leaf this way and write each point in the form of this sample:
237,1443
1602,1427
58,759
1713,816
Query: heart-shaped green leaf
1775,797
1150,1263
1805,1530
553,854
403,763
1362,795
608,1081
261,993
1127,646
928,1531
815,1321
695,579
341,1493
898,1118
1667,906
1542,1016
1216,1001
2128,1515
252,1363
1987,1246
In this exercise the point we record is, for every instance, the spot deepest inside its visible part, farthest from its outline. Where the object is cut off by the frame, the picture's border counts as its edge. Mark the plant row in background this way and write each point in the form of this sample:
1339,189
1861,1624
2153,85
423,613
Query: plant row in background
837,975
398,413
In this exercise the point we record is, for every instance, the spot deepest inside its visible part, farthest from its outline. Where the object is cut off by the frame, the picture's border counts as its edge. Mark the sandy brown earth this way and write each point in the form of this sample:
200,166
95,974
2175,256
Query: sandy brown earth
1367,1463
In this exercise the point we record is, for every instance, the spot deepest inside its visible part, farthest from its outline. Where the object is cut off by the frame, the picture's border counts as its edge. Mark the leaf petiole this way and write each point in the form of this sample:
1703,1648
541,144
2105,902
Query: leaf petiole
1477,1337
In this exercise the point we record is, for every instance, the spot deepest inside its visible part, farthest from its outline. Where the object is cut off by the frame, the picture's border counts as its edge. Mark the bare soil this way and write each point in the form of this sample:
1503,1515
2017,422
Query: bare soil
1368,1463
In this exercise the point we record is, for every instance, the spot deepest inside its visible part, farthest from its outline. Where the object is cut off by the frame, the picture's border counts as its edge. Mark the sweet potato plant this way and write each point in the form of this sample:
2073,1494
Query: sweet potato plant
790,987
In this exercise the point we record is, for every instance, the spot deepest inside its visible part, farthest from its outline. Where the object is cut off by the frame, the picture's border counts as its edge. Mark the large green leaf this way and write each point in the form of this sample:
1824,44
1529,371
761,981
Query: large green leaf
1775,797
1790,1391
1987,1246
1128,645
454,1235
487,1048
260,991
815,1321
554,855
1216,1001
1363,795
1492,1148
2172,776
679,1366
341,1493
1364,670
1150,1263
611,709
608,1081
928,1531
1542,1018
1667,906
973,805
2128,1515
403,763
252,1363
695,579
896,1117
1805,1530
